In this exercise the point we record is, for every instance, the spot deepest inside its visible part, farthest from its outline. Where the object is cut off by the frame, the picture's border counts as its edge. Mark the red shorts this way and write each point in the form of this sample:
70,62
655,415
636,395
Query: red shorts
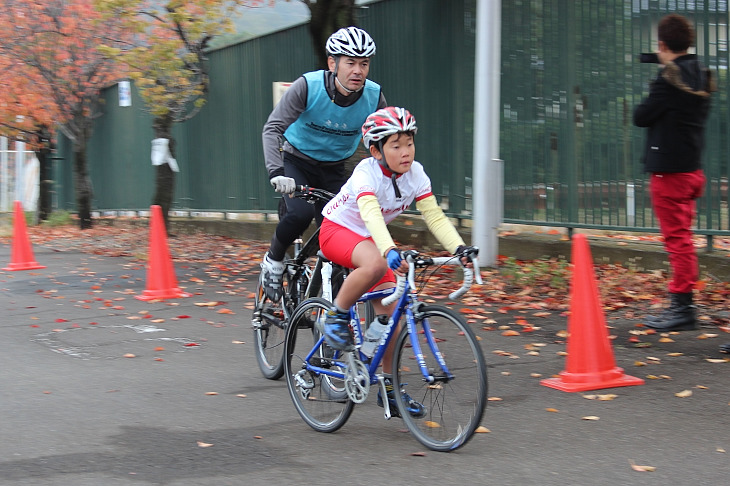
337,244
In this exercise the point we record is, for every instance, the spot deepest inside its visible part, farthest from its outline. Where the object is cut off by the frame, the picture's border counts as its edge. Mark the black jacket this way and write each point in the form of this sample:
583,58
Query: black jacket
675,113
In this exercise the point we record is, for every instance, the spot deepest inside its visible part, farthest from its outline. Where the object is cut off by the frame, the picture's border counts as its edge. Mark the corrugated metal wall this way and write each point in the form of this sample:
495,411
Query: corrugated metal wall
423,63
570,82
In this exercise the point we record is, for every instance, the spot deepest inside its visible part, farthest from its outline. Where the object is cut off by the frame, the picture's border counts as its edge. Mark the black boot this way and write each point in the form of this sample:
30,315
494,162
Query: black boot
680,316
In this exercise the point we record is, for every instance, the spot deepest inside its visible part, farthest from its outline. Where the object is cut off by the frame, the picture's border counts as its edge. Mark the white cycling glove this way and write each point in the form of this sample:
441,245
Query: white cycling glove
283,184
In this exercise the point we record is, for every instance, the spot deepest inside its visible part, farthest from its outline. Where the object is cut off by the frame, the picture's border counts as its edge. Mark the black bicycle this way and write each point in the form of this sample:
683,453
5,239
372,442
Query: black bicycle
308,274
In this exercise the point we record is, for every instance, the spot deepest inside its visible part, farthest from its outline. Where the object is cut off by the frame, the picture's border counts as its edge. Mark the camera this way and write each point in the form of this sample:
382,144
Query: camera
649,58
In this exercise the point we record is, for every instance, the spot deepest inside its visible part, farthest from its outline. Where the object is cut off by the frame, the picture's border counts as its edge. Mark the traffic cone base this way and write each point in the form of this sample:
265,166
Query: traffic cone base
21,257
13,267
590,364
578,382
172,293
161,281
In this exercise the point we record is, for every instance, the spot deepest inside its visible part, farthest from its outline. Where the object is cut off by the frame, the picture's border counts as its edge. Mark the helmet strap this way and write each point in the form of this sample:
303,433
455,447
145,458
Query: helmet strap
393,175
337,80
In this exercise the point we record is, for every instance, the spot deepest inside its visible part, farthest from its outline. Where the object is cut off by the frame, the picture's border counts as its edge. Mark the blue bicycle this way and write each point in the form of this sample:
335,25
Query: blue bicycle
437,359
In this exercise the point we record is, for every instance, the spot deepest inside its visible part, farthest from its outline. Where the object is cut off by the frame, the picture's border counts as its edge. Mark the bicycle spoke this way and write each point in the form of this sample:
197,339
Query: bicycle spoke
320,399
454,403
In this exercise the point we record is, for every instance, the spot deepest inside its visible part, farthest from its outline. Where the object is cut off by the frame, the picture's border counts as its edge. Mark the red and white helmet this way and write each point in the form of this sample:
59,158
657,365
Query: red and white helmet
352,42
385,122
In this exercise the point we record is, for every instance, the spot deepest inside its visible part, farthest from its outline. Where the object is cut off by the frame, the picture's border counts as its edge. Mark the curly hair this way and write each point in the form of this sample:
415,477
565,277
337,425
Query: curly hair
676,32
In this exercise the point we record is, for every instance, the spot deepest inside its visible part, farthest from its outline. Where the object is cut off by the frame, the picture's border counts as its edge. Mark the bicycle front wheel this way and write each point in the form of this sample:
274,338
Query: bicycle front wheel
454,401
320,399
269,329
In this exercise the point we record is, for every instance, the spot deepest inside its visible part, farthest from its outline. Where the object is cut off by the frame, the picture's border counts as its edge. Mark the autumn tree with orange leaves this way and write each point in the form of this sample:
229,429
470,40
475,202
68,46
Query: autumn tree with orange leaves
168,64
27,114
53,43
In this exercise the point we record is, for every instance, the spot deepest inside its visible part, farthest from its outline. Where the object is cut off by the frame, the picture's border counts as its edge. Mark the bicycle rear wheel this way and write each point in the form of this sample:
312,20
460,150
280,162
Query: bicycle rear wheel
454,402
321,400
269,330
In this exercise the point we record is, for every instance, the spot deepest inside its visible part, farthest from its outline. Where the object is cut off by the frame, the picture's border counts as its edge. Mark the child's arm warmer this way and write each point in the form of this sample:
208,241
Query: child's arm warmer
373,218
439,224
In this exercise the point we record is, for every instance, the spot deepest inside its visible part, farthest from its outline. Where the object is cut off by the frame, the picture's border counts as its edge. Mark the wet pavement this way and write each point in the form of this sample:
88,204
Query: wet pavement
99,388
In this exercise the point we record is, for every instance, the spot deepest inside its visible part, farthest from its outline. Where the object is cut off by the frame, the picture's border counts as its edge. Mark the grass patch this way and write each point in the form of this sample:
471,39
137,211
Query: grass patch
57,218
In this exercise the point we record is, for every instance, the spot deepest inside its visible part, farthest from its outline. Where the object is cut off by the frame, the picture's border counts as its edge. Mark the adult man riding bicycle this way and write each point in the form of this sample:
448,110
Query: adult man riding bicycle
310,134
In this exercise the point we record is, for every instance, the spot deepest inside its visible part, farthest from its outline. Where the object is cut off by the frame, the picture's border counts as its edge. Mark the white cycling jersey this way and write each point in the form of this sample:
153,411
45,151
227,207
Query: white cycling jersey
371,178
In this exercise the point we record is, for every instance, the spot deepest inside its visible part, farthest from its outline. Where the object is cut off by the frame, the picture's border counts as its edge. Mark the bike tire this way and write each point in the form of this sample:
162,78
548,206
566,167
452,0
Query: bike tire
454,405
319,400
269,333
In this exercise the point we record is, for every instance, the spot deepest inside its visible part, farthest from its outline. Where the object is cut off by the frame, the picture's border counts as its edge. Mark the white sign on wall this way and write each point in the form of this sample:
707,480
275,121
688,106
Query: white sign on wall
125,94
279,88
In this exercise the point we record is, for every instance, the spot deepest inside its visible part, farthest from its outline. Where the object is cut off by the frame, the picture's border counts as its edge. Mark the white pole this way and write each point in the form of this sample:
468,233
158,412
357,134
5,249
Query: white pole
487,167
20,173
4,196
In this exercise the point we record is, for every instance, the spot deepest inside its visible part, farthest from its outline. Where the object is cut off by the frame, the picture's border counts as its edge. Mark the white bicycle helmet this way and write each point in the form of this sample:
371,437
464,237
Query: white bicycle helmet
387,121
351,41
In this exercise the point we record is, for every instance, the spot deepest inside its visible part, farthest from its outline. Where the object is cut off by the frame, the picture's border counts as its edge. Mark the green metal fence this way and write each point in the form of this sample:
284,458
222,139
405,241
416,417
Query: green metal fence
570,80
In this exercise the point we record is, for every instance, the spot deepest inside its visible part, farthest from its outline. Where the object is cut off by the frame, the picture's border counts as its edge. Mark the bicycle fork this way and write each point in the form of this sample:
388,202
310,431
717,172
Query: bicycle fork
428,375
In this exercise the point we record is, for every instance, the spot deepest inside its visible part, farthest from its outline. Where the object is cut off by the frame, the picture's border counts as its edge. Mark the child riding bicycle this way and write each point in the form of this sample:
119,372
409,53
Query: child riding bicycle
354,232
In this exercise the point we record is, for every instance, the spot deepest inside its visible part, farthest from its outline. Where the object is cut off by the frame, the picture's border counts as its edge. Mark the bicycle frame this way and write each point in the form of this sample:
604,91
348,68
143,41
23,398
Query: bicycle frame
408,304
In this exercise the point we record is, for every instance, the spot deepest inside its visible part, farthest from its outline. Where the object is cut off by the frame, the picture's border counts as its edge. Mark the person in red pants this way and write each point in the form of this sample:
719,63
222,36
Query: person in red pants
675,112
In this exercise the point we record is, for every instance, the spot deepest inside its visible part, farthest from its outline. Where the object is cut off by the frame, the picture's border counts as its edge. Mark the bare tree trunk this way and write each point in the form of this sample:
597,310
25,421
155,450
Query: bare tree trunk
45,203
164,175
326,17
46,183
84,192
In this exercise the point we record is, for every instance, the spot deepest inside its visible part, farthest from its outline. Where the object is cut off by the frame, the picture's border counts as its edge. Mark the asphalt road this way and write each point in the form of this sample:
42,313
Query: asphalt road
191,408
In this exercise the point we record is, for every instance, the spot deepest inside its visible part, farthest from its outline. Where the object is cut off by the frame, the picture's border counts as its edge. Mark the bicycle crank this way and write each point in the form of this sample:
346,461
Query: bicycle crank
357,379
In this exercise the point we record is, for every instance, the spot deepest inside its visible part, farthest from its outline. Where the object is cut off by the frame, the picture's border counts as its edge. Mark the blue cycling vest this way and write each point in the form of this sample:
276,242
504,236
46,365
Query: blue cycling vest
325,131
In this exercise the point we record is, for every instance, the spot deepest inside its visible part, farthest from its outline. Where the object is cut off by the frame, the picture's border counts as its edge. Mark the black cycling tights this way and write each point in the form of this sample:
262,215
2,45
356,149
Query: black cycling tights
299,213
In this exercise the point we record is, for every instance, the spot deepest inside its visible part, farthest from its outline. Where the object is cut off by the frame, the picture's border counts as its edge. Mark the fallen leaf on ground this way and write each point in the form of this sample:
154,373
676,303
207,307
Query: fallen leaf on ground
636,467
705,335
684,394
204,444
590,417
483,430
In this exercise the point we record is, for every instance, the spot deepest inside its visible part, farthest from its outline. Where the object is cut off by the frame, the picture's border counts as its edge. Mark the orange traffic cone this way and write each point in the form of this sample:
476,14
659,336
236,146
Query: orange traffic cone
21,257
161,281
589,364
